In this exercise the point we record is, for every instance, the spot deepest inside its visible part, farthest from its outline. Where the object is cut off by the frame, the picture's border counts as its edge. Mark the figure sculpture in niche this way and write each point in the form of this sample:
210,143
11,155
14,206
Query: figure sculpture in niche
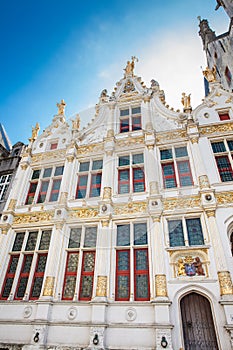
181,268
198,265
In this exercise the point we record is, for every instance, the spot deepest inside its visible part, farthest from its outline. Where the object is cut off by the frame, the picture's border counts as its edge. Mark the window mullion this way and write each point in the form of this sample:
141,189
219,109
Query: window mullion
132,268
186,240
30,277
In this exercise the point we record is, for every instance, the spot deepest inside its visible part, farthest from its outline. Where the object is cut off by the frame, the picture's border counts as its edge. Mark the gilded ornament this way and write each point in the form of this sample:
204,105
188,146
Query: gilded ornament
224,198
105,223
24,165
33,217
63,197
210,74
210,213
225,282
12,204
49,286
93,148
61,107
83,213
130,141
101,290
107,193
130,66
194,139
76,122
186,101
5,228
172,135
35,131
181,203
215,129
46,156
70,158
135,207
161,285
203,181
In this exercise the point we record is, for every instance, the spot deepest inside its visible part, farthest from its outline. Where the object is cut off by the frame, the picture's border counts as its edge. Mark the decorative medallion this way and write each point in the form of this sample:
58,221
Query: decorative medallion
27,311
131,314
72,313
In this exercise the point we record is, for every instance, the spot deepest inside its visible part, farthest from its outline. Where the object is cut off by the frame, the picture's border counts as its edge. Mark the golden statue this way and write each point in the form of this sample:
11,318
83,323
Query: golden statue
35,131
130,65
76,122
61,107
181,268
210,74
186,100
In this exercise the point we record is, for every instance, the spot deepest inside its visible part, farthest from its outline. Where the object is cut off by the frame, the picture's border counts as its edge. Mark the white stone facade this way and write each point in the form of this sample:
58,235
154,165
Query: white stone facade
201,192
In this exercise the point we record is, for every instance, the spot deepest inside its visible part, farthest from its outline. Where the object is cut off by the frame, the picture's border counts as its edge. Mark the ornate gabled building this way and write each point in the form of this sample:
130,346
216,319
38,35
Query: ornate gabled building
118,236
219,48
9,161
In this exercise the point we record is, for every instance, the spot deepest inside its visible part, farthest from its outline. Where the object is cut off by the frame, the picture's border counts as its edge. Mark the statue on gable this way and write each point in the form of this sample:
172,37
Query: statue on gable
186,101
130,66
210,74
61,107
104,96
76,122
35,131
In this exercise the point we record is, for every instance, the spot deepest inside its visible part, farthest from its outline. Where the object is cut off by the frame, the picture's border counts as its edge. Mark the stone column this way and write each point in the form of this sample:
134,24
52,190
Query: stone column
199,165
68,174
224,276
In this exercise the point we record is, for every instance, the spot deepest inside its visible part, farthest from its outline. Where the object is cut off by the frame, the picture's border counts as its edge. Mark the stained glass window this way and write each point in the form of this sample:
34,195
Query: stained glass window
89,181
12,266
70,275
224,162
24,275
224,168
123,275
141,274
130,177
38,276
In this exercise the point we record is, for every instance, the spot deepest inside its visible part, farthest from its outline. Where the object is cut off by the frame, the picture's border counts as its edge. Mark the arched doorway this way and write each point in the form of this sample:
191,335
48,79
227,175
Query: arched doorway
198,326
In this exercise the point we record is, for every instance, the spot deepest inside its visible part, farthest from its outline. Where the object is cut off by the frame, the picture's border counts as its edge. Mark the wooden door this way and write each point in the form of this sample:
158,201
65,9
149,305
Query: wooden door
198,326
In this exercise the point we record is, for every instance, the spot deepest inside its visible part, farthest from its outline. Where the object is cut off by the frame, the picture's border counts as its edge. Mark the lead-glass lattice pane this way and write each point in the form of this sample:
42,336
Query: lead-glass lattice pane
124,160
22,287
86,287
41,263
89,262
35,174
75,237
140,234
123,235
218,147
84,166
122,287
142,286
224,167
7,287
194,229
45,240
230,144
141,260
13,265
31,242
27,263
59,170
69,287
136,110
181,152
90,237
97,164
176,235
138,158
72,264
124,112
18,242
47,172
123,261
166,154
36,289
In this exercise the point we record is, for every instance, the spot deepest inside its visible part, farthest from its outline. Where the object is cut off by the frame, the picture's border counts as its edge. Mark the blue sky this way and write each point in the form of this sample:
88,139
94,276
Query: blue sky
53,50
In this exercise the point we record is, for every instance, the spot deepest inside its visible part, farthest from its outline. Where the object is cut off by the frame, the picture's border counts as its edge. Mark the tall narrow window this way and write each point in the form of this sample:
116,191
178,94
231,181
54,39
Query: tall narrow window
45,185
130,119
175,167
228,75
4,184
131,176
89,179
223,151
28,247
80,257
185,232
131,242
